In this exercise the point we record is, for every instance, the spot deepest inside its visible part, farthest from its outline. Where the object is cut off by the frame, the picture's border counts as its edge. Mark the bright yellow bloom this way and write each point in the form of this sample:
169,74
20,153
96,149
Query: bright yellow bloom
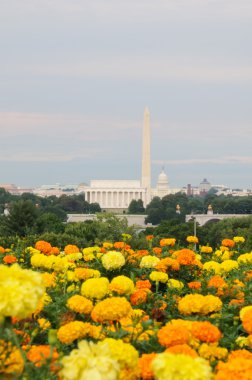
71,331
176,284
158,277
111,309
95,288
90,361
149,261
20,291
228,265
124,353
212,266
113,260
180,367
80,304
239,239
11,361
122,285
192,239
197,303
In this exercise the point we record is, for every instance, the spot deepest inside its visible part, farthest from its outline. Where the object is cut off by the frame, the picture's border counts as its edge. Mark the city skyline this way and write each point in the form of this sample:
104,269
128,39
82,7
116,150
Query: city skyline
75,78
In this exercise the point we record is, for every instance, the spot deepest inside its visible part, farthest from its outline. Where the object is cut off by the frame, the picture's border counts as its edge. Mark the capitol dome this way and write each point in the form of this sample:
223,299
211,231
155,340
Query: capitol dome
162,183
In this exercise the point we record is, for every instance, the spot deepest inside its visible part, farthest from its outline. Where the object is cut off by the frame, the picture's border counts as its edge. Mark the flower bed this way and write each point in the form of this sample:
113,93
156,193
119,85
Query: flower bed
110,312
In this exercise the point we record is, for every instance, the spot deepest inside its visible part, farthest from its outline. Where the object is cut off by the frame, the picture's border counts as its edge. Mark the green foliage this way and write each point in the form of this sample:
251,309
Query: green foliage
136,207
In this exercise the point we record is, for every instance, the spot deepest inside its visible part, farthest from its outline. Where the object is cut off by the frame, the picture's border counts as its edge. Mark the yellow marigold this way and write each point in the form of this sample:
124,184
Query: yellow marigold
89,361
171,335
71,331
167,242
95,288
176,284
71,248
149,261
212,352
44,324
245,258
185,256
212,266
40,354
197,303
107,245
158,277
205,332
85,273
192,239
184,349
206,249
11,361
239,239
244,310
113,260
43,246
122,285
228,265
228,243
49,279
180,367
111,309
80,304
20,291
124,353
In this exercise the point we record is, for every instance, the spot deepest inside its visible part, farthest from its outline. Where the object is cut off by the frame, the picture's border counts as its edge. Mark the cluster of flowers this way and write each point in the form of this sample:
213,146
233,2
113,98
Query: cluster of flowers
111,312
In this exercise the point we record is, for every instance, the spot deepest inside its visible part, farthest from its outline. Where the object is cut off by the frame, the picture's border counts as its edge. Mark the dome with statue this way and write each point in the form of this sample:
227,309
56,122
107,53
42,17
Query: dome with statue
162,182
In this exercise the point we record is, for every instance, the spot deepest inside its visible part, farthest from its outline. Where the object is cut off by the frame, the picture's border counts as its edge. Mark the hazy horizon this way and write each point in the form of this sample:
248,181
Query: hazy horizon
76,76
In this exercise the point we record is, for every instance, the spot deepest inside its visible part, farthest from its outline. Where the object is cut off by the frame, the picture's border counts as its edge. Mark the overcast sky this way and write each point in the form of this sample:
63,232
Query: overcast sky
75,76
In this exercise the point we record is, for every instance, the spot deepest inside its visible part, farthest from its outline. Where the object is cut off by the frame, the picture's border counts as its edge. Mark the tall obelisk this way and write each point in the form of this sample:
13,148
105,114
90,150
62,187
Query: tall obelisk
146,159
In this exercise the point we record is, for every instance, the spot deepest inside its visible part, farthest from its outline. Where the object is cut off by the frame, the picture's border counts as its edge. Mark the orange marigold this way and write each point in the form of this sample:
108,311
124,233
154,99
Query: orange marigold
157,250
185,256
205,332
143,284
182,349
149,237
247,321
55,251
9,259
167,242
71,331
171,335
228,243
194,285
43,246
71,248
167,263
234,369
138,297
2,250
39,354
144,363
119,245
216,282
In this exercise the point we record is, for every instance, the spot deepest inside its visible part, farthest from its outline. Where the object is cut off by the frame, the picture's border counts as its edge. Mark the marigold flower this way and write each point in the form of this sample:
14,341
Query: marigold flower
212,352
157,250
144,363
228,265
149,261
206,249
192,239
158,277
171,335
43,246
180,367
113,260
139,296
49,279
197,303
167,242
11,361
205,332
228,243
90,361
216,282
239,239
184,349
95,288
247,321
80,304
44,324
212,266
234,369
71,331
71,248
185,256
9,259
175,284
40,354
167,263
122,285
143,284
124,353
2,250
85,273
111,309
20,291
194,284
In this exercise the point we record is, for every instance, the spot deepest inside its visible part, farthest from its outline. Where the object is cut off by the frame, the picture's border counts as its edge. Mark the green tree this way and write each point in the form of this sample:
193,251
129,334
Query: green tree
49,222
136,207
22,218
